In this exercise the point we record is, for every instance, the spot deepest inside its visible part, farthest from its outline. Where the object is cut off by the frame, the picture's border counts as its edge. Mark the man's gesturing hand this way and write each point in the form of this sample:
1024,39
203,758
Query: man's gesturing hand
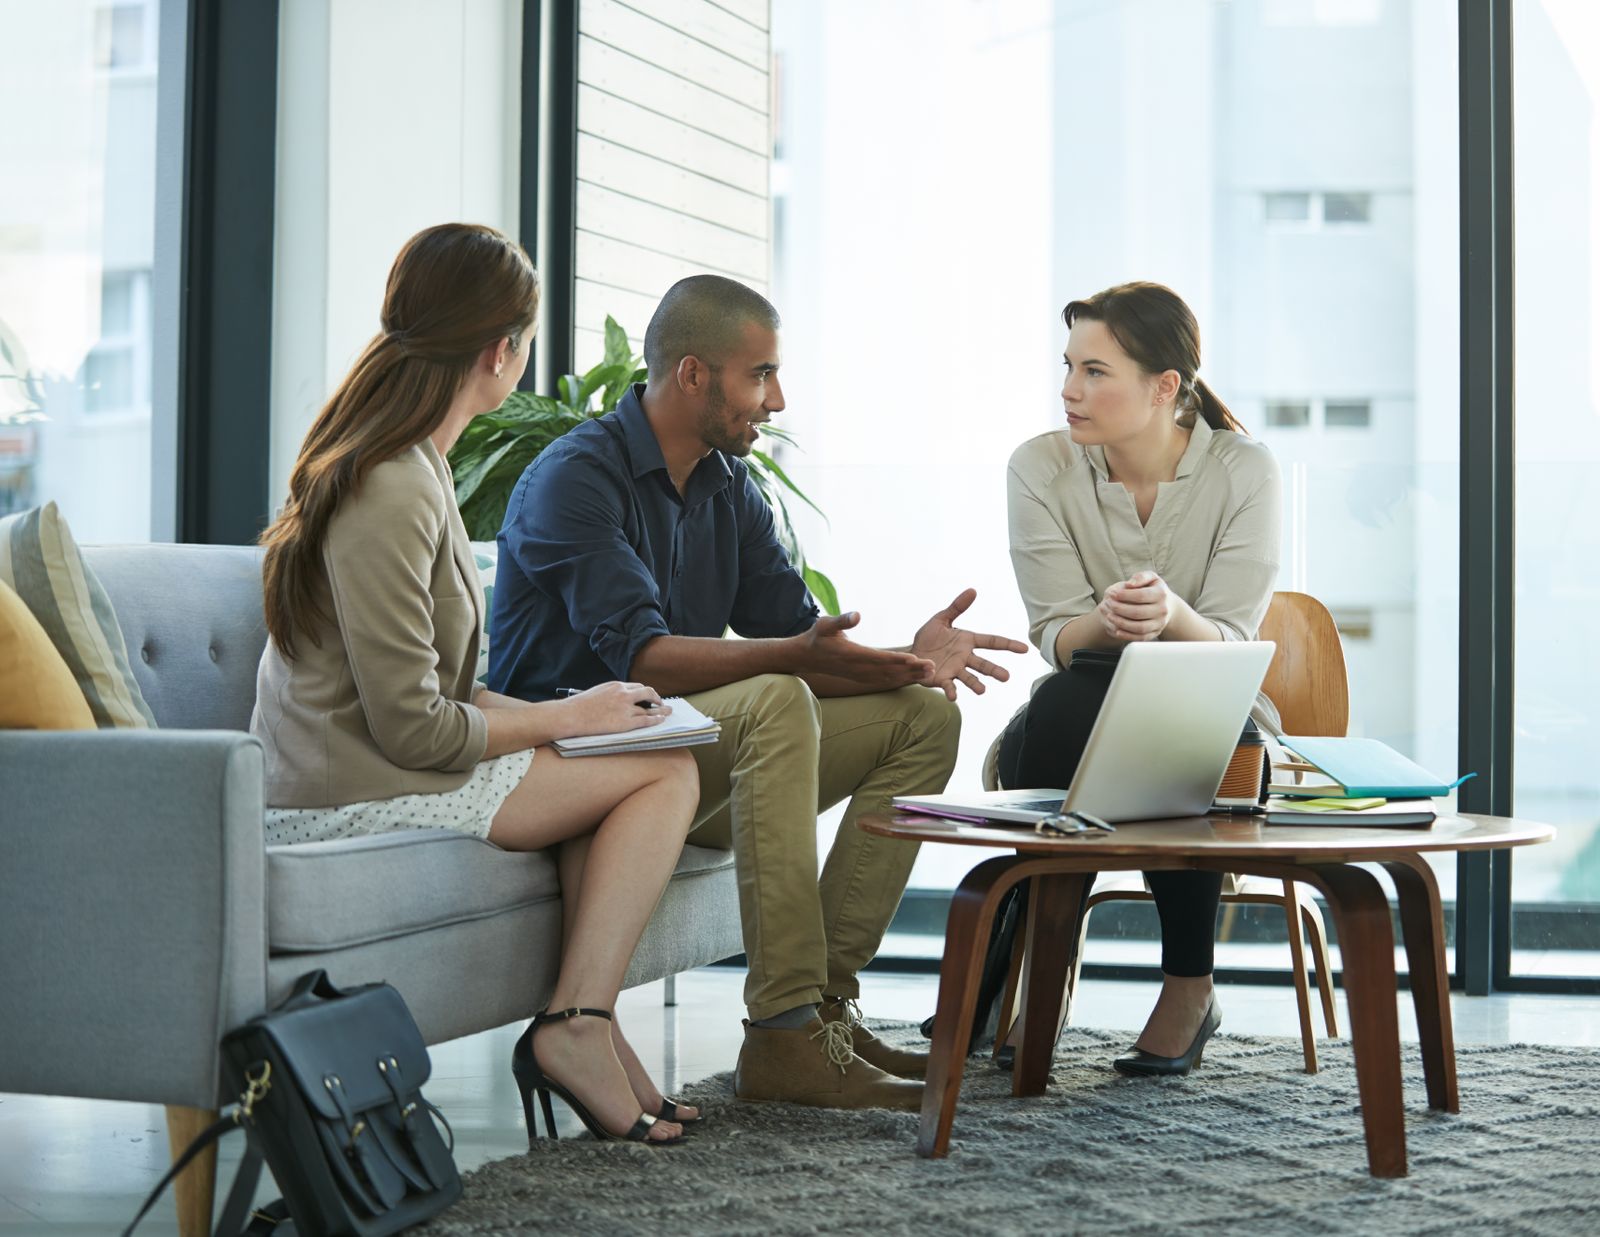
826,650
953,650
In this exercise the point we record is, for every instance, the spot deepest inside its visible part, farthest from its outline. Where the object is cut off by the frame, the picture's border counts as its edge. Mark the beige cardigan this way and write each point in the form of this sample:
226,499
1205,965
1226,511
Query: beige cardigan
376,702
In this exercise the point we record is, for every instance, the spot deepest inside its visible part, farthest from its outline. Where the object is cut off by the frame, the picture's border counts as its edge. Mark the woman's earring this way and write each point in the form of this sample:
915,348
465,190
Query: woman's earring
497,371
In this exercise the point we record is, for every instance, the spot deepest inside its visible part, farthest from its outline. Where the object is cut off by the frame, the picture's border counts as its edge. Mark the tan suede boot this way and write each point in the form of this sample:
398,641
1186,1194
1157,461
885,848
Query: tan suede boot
869,1047
815,1065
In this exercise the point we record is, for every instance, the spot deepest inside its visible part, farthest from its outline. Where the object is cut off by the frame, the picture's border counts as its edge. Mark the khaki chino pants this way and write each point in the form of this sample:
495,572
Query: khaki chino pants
784,755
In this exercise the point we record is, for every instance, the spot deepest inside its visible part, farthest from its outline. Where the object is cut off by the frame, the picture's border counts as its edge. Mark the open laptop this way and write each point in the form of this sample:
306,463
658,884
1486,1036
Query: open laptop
1160,745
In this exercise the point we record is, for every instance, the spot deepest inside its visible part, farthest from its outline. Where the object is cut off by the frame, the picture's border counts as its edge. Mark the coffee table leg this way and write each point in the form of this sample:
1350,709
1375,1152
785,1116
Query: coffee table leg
1366,948
1054,904
966,936
1422,922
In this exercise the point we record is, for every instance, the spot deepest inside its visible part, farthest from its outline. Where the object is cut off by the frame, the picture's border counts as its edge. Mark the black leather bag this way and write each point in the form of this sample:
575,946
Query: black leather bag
331,1099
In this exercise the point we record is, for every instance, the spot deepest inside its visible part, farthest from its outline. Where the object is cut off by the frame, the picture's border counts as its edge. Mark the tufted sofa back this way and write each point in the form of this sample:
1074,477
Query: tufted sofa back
191,616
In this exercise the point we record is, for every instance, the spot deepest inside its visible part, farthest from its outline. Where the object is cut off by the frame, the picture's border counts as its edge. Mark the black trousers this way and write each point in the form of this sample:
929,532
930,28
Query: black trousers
1041,748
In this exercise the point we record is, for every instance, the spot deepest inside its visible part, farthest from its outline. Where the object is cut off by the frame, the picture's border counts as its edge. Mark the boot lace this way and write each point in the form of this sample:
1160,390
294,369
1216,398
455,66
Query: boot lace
837,1044
849,1012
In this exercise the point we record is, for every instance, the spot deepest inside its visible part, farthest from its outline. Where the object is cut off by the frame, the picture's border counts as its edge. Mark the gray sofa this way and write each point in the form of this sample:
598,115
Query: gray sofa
142,916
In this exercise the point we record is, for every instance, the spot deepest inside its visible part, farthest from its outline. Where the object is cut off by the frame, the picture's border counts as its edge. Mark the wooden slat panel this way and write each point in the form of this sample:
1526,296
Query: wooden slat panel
605,163
629,77
631,31
713,25
630,125
610,261
674,149
632,310
655,227
757,12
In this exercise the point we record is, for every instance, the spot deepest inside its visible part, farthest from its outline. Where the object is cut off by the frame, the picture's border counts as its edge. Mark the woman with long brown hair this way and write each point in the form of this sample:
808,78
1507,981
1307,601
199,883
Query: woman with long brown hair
1153,516
366,701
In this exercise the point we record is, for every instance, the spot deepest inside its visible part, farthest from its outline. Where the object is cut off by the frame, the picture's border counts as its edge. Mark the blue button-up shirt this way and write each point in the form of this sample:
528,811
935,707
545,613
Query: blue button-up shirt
600,554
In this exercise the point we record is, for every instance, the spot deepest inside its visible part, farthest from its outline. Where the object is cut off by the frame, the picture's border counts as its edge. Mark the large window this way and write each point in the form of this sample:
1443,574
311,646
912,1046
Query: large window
1556,888
77,198
927,238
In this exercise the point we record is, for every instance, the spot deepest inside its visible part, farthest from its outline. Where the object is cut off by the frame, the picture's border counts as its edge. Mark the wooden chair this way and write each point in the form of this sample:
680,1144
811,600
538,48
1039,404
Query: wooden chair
1307,682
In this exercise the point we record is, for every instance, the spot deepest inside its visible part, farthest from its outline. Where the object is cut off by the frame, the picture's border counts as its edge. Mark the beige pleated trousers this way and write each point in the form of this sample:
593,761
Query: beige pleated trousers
784,756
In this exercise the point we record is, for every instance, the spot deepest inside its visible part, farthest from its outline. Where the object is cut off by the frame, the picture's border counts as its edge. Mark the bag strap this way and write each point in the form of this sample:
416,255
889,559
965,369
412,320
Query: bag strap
211,1134
236,1212
237,1219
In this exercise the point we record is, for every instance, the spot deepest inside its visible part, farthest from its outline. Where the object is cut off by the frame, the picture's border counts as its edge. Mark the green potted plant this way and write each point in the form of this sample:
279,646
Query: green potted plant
495,448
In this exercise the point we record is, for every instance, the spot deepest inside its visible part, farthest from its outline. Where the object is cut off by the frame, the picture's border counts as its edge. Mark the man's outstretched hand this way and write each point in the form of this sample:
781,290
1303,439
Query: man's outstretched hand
953,650
827,651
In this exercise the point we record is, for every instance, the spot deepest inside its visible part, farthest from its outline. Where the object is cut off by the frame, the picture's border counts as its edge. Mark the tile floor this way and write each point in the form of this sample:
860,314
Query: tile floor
80,1166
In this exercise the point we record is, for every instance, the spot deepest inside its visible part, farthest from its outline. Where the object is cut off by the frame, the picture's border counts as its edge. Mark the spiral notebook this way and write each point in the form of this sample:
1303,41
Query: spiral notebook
686,726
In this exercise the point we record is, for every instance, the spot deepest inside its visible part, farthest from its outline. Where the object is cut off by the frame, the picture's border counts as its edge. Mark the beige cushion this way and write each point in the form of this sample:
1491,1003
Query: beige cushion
36,688
40,560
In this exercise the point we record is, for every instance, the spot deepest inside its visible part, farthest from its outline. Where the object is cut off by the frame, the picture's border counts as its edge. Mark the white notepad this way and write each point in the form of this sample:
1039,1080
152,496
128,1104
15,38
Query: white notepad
685,727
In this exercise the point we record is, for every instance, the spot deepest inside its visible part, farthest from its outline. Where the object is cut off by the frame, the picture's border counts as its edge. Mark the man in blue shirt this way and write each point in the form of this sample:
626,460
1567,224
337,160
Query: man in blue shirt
630,546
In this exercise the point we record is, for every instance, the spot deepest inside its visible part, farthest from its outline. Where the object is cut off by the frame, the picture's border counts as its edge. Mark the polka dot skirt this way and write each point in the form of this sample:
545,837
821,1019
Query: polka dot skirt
470,809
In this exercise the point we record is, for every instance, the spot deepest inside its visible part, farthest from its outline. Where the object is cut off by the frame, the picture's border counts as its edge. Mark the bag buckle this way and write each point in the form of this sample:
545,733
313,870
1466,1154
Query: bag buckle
255,1086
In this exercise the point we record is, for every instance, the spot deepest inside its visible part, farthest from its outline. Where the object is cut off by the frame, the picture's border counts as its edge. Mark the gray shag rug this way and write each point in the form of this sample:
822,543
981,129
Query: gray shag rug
1247,1144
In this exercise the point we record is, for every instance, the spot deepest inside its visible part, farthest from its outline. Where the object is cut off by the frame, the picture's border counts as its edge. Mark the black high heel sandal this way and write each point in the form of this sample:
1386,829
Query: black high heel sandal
669,1112
531,1080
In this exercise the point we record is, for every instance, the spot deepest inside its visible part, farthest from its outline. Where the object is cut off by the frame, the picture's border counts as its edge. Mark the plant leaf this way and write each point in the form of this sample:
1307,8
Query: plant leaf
771,465
471,477
600,376
821,588
618,350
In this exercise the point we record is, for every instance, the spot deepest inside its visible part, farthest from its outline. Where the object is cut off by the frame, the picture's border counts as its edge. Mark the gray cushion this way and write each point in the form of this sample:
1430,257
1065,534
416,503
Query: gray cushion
333,895
191,615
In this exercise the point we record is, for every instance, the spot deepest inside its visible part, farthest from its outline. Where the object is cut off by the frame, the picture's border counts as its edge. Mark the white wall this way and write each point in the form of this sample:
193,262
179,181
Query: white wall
393,115
921,340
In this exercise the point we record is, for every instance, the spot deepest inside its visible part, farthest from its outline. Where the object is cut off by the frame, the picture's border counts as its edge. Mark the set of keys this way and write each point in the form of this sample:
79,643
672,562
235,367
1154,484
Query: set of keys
1071,823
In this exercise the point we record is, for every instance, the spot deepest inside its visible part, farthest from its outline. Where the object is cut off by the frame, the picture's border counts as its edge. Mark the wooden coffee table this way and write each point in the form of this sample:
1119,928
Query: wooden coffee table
1323,856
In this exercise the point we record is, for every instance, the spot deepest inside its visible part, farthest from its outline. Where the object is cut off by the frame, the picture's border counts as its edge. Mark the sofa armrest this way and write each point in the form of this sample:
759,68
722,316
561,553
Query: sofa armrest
132,909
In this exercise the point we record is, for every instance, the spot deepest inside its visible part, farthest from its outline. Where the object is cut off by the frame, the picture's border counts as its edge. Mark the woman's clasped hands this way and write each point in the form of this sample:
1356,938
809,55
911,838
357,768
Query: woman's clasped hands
1138,608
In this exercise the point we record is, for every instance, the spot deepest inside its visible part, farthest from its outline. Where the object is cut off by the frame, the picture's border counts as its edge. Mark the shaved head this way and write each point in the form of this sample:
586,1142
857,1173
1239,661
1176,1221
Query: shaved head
703,316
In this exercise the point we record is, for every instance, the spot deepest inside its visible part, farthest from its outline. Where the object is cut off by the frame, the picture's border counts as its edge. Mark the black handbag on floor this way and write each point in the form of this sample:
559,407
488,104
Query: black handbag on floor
330,1097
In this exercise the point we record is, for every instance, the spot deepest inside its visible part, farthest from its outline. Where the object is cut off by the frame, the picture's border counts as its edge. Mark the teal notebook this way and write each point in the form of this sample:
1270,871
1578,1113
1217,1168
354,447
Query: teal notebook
1363,768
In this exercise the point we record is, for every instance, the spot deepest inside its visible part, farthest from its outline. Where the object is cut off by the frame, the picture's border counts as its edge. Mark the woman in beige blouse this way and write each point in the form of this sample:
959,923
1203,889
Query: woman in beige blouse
1153,516
366,699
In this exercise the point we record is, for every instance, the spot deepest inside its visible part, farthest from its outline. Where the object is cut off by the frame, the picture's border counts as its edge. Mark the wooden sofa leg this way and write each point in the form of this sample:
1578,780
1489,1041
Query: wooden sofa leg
196,1185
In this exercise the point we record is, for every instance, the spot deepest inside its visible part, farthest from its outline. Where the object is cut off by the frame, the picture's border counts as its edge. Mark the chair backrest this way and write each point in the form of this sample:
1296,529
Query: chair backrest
1306,679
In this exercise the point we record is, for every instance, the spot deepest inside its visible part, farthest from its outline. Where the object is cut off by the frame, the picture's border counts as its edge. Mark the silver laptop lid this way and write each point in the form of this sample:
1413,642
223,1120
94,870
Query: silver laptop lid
1169,725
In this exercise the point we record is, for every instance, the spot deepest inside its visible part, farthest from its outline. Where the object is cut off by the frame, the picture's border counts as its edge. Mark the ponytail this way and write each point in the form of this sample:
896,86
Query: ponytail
1217,415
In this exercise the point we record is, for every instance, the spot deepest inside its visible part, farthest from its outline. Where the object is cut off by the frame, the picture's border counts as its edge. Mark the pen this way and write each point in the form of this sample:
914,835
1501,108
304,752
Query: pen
577,691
